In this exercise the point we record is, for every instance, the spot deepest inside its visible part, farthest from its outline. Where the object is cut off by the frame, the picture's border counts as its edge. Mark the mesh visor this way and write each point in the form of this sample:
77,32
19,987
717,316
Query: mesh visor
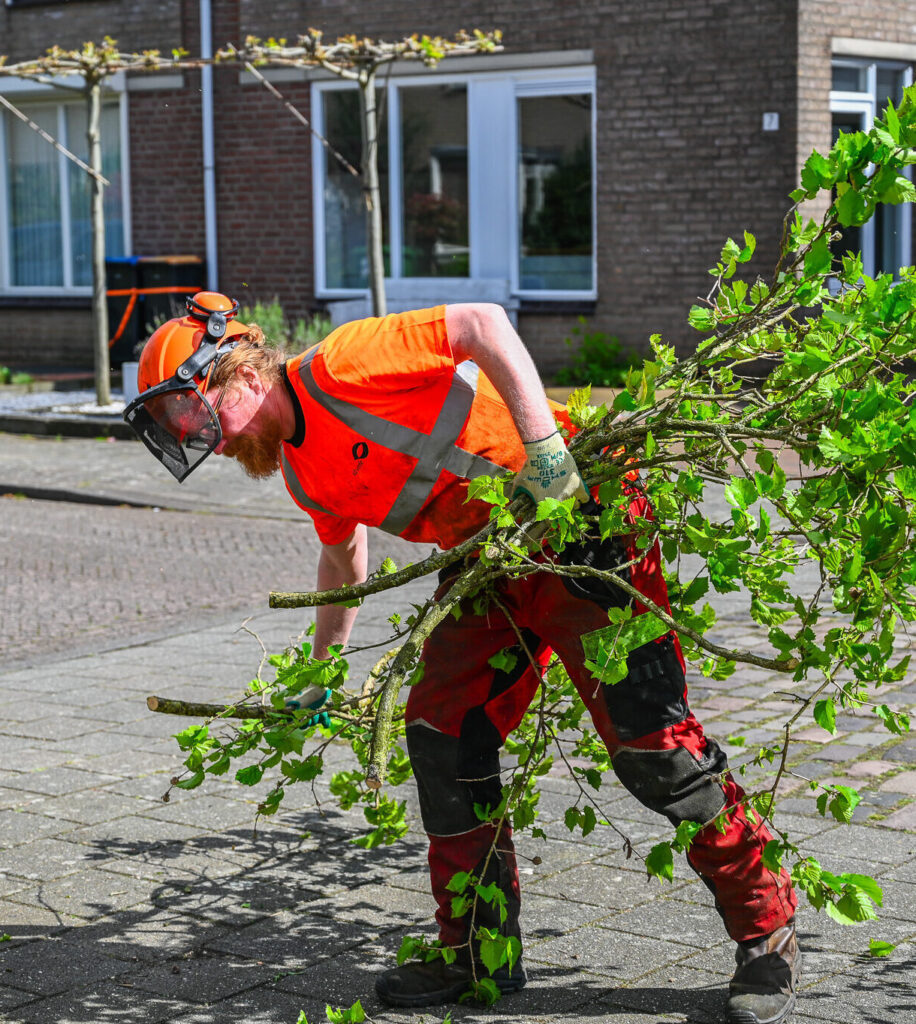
177,425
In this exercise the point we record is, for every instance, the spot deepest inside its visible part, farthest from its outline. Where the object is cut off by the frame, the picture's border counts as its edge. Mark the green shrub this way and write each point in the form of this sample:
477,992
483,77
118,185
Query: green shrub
599,359
280,331
8,376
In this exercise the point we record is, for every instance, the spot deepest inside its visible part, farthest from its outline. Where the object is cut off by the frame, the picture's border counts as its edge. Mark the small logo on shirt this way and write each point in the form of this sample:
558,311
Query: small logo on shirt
360,453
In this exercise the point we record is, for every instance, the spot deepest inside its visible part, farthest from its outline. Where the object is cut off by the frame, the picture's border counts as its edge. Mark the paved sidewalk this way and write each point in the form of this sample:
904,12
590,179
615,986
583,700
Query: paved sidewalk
115,906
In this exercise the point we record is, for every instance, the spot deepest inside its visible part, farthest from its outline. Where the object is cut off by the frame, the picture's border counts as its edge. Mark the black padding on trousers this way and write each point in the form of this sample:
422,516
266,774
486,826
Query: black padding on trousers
447,805
651,695
674,782
597,554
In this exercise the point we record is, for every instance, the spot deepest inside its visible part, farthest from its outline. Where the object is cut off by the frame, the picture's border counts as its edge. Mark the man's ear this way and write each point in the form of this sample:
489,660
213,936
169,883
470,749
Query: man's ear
248,375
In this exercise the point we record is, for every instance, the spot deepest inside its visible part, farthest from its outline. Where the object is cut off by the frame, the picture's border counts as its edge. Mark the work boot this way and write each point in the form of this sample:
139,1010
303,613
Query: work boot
422,984
762,990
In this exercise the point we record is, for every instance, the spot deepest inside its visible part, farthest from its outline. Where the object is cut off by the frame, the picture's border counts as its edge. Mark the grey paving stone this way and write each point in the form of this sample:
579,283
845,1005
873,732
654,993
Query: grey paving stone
211,812
134,831
865,992
25,924
904,752
903,872
88,894
595,883
203,978
89,807
60,781
55,727
819,933
18,827
104,1001
46,859
605,951
11,998
311,933
677,991
693,924
56,965
147,934
849,840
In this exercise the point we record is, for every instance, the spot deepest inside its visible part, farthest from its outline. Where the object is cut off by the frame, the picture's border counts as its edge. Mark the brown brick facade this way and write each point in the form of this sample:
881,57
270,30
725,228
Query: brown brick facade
683,161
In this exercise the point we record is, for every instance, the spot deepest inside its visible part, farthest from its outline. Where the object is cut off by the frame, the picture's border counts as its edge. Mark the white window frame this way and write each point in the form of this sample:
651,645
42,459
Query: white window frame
493,219
864,104
25,91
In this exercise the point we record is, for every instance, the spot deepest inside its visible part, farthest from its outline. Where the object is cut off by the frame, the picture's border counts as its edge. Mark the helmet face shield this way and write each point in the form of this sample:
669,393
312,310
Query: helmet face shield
177,424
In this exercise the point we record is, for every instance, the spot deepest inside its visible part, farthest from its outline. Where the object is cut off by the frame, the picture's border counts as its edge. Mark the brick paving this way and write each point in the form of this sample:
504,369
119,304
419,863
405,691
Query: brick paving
117,907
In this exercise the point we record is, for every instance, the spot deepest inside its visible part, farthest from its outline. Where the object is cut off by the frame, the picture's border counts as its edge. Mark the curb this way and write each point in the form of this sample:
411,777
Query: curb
61,426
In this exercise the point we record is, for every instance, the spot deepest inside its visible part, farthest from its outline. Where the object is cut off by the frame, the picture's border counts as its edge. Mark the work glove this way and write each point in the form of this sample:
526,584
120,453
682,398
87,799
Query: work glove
312,698
549,472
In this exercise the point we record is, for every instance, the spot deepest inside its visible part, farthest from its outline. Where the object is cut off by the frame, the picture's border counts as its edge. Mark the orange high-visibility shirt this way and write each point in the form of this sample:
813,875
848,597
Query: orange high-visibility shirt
394,431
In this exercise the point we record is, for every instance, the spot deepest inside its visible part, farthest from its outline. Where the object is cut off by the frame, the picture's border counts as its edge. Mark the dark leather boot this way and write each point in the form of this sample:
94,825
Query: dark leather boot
762,990
429,984
419,984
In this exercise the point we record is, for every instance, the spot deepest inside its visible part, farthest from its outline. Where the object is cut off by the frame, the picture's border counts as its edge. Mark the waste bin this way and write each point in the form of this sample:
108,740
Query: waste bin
143,292
165,282
121,277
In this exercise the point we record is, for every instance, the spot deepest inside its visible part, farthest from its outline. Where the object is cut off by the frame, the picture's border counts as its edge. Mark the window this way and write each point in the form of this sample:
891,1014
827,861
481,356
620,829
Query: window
861,90
484,176
45,228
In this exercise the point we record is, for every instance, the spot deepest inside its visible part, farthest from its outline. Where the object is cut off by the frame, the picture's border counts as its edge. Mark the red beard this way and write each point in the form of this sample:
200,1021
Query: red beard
258,454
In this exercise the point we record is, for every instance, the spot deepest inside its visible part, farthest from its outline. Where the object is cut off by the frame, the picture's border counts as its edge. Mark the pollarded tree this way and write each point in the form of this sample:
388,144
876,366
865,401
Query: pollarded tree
359,61
809,365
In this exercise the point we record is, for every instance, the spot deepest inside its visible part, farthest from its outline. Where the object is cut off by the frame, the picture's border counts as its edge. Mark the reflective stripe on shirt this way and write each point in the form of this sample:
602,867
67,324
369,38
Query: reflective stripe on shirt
433,452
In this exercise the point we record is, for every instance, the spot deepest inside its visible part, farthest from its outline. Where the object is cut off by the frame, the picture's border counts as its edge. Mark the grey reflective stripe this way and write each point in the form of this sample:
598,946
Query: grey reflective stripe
434,451
293,483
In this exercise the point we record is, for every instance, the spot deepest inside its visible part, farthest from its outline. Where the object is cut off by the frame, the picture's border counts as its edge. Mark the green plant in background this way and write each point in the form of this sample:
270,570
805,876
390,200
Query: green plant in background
8,376
599,359
280,331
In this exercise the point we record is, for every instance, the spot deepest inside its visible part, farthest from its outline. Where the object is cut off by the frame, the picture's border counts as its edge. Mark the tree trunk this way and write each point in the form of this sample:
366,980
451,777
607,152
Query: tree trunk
369,132
99,300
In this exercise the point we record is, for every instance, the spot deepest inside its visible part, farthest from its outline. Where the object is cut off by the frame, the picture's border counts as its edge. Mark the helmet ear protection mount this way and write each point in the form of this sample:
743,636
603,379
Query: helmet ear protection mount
174,419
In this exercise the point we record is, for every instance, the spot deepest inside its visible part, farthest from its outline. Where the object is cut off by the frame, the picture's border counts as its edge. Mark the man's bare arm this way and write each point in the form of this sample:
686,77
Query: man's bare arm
482,332
339,564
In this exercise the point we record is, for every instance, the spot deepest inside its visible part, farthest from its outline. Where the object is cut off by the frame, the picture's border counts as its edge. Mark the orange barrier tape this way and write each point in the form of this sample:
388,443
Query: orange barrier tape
132,301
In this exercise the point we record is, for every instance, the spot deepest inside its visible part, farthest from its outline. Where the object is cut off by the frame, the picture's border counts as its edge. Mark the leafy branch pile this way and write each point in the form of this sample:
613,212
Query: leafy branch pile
806,368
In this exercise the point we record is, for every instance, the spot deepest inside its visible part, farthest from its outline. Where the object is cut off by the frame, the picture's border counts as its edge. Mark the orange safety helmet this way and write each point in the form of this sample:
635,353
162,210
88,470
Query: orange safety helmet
175,340
171,415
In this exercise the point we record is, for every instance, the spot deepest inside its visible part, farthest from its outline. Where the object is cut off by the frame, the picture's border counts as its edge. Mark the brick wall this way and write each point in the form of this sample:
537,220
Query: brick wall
683,161
27,32
35,338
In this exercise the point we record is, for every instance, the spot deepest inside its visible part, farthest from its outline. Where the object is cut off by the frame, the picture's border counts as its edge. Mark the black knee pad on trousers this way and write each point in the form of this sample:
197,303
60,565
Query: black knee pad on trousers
674,782
651,695
450,782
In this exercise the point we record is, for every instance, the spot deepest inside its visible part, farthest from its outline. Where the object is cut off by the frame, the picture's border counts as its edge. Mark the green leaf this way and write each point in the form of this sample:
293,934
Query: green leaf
741,492
700,318
458,882
867,884
660,861
877,948
504,660
249,776
772,856
818,258
825,715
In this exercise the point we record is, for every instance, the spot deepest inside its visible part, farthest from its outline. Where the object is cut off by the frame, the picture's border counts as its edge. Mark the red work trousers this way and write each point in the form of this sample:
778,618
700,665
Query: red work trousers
461,711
